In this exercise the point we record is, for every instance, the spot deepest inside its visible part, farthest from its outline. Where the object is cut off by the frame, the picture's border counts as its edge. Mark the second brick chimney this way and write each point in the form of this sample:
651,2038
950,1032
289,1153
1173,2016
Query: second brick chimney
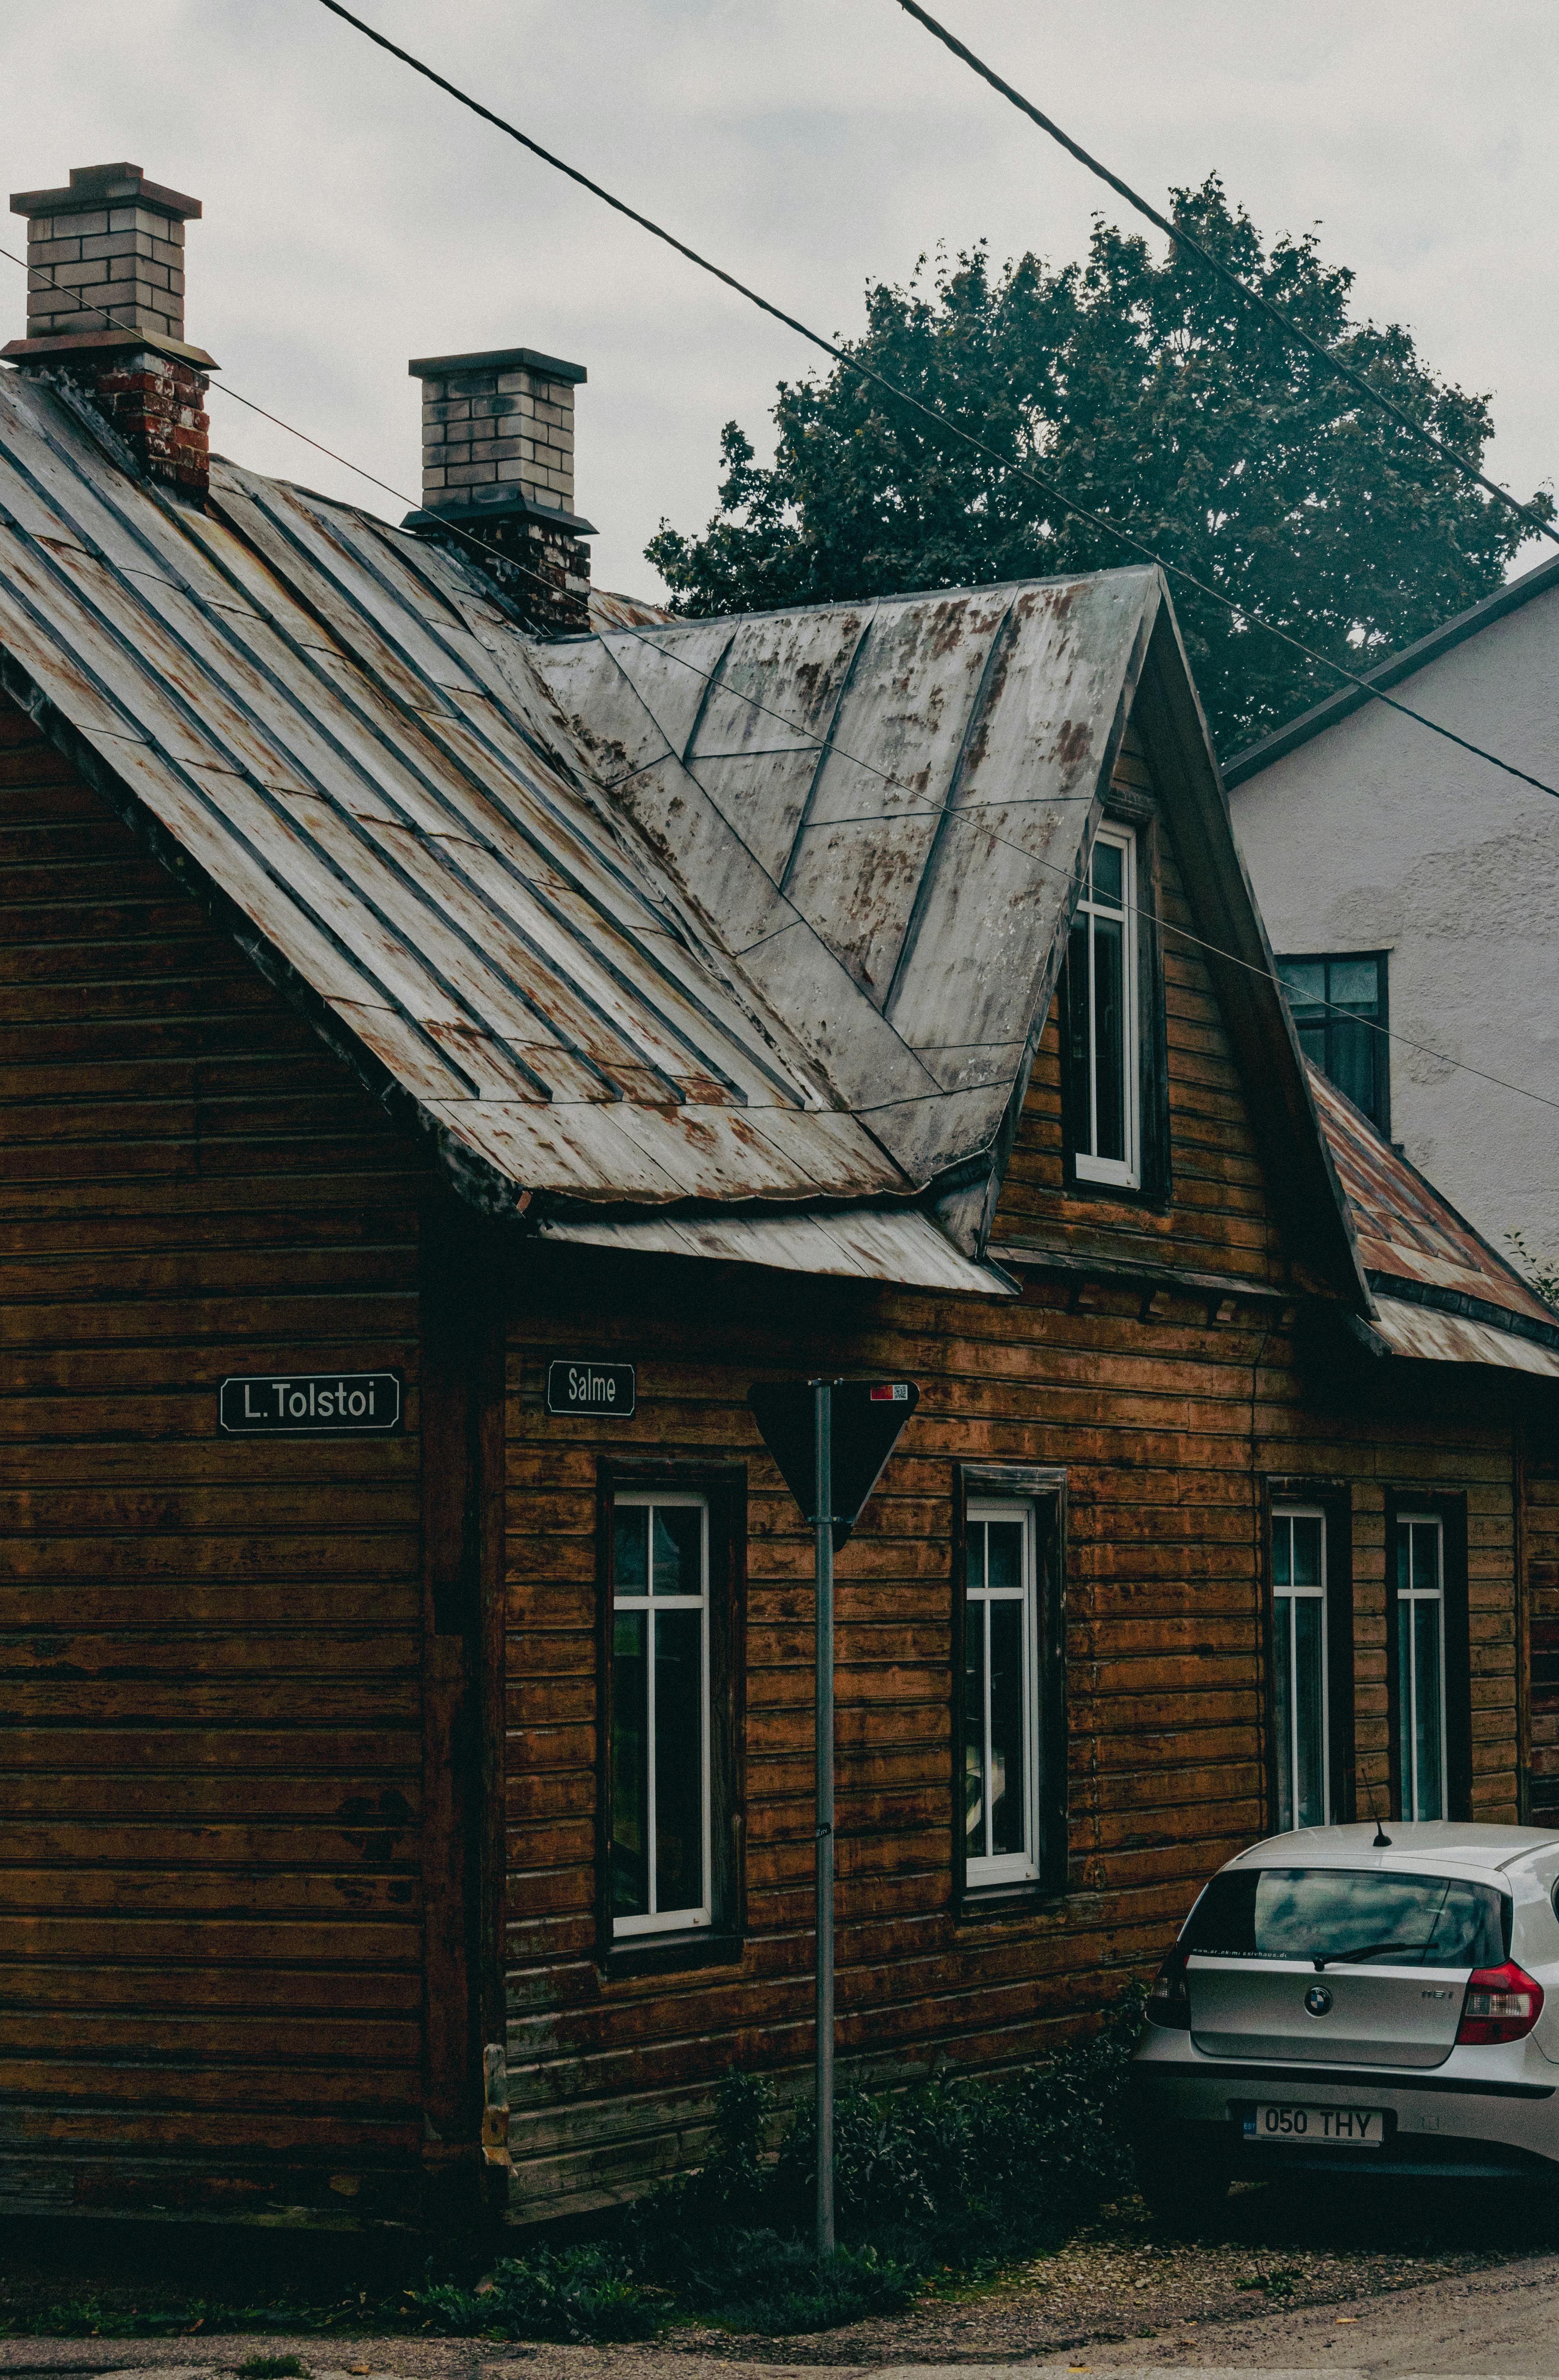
105,311
498,462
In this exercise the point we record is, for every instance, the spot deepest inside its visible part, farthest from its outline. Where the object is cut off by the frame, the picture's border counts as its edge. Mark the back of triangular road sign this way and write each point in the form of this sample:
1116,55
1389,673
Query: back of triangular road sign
867,1418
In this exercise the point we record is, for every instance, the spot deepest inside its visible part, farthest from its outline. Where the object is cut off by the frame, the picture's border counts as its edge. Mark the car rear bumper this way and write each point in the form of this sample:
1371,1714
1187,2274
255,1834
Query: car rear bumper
1453,2122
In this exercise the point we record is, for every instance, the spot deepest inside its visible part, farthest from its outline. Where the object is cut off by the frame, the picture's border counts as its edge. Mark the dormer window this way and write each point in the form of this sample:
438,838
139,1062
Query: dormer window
1103,1026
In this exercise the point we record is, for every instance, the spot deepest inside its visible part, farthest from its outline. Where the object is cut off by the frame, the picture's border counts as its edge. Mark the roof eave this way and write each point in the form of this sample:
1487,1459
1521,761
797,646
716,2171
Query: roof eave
1403,665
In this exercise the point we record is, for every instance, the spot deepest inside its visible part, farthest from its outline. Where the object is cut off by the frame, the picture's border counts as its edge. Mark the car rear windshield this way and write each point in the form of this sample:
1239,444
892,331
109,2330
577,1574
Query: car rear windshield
1351,1913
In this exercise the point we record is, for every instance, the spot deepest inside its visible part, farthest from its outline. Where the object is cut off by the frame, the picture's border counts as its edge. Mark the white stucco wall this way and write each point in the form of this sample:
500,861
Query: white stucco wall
1377,835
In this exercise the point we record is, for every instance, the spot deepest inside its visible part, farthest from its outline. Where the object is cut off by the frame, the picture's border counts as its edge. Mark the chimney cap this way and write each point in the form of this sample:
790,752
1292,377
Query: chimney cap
495,360
92,186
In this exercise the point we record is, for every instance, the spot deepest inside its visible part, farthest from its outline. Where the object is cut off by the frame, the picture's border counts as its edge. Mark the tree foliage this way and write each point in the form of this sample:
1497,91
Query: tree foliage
1150,392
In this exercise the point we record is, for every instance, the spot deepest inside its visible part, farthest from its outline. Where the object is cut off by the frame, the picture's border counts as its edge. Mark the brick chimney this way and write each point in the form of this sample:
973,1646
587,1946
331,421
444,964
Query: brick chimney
498,461
105,311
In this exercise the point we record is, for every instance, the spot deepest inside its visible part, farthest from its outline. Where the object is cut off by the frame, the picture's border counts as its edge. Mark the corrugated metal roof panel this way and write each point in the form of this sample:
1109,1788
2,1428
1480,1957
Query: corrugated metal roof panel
891,841
1432,1337
336,723
865,1243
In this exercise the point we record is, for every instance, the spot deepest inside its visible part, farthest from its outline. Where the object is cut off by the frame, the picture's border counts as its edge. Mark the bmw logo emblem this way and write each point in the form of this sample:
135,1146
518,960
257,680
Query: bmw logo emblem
1318,1999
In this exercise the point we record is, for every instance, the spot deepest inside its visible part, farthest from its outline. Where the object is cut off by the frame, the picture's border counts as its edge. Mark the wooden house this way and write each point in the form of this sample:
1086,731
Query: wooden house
442,1067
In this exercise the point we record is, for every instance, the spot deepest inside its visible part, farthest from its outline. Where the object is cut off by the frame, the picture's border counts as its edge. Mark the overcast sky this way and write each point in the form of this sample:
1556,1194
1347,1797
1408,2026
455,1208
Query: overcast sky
355,216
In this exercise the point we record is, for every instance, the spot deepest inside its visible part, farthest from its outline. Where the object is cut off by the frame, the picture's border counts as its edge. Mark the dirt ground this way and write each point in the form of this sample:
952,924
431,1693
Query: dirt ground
1117,2279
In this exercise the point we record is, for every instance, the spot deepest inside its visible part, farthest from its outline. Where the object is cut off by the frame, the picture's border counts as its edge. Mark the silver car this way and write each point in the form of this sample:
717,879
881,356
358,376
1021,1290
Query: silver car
1381,1999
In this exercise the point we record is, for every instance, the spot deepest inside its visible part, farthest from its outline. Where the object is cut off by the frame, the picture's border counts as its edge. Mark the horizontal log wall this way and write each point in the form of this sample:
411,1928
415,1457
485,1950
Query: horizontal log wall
1541,1549
210,1759
1164,1423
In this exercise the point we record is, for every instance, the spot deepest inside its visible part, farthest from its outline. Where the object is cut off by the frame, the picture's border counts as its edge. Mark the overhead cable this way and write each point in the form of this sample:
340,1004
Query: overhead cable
866,372
965,817
1226,272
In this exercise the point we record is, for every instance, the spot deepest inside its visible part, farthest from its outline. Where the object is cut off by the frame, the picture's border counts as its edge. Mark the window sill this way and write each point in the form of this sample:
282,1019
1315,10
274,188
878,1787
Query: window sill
1151,1195
981,1904
669,1954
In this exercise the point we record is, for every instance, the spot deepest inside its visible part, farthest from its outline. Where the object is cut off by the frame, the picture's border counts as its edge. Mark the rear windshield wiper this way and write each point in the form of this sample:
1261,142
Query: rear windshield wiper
1366,1950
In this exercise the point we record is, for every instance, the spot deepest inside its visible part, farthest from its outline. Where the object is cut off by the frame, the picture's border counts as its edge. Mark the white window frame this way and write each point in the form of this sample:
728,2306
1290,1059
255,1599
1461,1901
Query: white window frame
1123,1174
669,1921
1406,1682
1292,1594
1008,1867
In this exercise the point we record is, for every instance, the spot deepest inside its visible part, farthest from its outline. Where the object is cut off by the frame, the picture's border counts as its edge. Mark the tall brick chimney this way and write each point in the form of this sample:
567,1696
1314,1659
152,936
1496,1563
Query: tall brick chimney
498,461
105,310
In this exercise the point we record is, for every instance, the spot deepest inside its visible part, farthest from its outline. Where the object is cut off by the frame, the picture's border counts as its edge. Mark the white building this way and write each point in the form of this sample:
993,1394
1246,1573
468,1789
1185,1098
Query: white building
1404,879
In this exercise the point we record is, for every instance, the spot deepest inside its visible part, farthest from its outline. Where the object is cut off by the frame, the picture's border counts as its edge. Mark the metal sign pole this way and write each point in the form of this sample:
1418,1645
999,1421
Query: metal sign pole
823,1476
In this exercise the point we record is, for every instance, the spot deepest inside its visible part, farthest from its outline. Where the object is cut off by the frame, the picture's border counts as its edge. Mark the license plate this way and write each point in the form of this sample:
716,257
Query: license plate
1333,2128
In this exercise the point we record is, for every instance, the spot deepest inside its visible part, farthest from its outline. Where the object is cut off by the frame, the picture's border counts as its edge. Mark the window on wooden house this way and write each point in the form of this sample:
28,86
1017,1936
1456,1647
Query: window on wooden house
1001,1715
1421,1746
1338,1004
659,1767
1311,1683
1104,1025
1300,1667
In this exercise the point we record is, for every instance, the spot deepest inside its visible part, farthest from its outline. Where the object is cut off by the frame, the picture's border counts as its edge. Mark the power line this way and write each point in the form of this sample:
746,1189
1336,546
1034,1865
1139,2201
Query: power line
964,817
1183,238
1047,487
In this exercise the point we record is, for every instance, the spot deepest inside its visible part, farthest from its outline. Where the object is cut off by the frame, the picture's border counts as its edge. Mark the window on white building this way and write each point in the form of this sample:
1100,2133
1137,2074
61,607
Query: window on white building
1338,1004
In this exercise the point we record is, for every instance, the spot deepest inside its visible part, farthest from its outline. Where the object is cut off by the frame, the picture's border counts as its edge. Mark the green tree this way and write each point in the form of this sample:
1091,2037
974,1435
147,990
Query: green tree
1151,394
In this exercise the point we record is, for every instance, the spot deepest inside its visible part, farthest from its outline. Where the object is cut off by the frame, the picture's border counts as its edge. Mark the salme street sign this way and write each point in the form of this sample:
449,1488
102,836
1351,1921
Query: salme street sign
311,1405
576,1386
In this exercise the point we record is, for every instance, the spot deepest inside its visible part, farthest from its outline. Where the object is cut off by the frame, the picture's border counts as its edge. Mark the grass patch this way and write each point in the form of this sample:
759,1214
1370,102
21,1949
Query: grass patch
93,2316
1279,2284
573,2293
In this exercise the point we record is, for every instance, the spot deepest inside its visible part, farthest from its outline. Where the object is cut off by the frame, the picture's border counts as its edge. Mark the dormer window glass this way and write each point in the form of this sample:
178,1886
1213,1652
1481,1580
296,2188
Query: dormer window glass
1103,1018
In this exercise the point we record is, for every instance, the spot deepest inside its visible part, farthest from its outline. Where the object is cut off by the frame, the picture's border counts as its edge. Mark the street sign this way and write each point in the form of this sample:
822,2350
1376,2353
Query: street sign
310,1405
576,1386
830,1440
867,1418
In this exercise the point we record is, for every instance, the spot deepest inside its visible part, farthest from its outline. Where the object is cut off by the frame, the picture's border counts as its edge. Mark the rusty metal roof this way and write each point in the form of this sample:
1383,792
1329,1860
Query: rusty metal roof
616,934
1417,1251
763,912
609,611
336,724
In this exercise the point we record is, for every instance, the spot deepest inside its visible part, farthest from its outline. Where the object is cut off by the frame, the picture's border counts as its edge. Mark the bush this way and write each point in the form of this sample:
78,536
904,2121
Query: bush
763,2282
574,2293
977,2170
960,2173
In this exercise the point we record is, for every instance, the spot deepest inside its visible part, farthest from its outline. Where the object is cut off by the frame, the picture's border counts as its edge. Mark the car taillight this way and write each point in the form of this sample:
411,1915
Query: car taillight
1168,2003
1502,2004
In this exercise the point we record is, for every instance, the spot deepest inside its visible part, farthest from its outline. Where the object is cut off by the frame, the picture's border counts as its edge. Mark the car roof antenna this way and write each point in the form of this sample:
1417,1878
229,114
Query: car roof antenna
1383,1841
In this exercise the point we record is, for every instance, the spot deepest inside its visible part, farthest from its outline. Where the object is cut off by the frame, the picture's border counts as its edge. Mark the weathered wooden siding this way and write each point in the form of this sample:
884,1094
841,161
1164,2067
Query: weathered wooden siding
210,1761
1166,1424
1219,1218
1169,1403
1541,1553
